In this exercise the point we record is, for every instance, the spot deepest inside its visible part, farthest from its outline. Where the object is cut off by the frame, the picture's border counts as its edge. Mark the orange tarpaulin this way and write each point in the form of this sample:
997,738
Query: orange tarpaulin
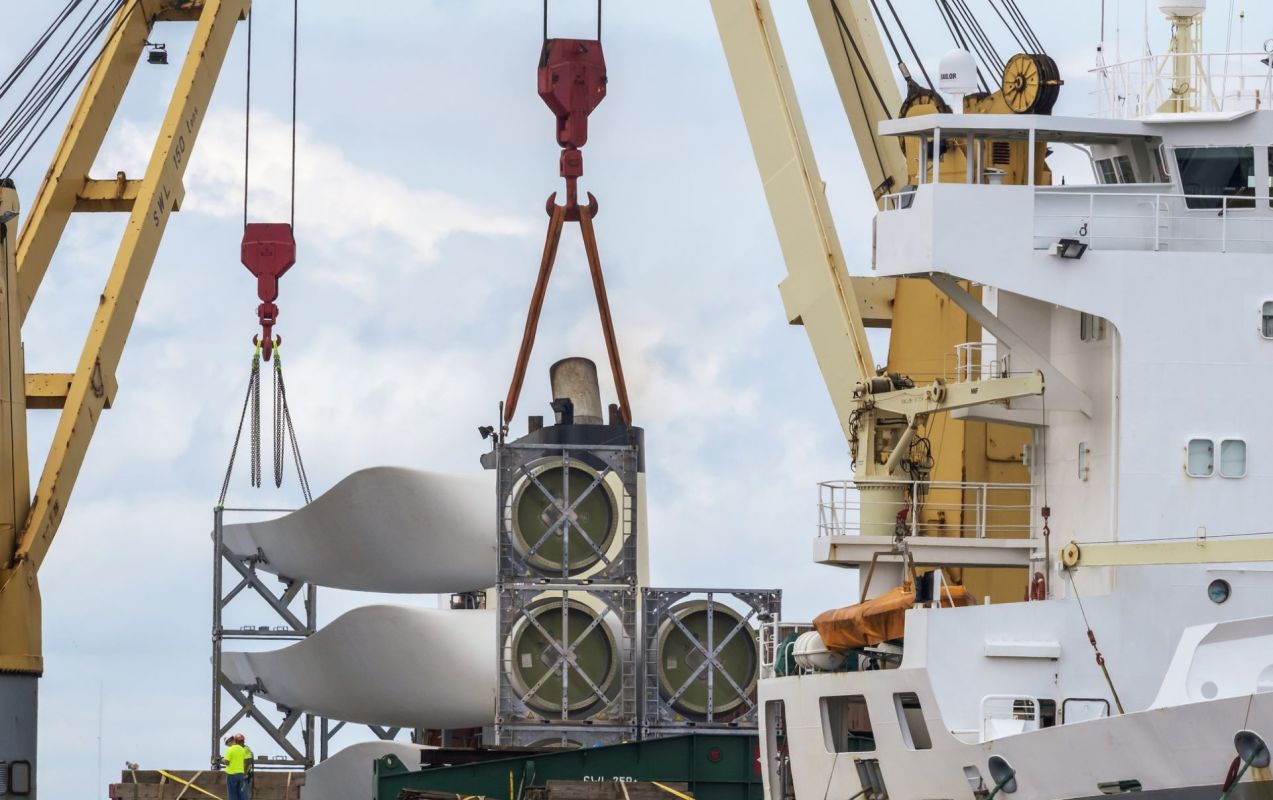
880,619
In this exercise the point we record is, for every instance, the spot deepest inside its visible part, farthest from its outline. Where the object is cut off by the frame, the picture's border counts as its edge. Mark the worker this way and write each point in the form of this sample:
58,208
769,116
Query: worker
249,765
236,755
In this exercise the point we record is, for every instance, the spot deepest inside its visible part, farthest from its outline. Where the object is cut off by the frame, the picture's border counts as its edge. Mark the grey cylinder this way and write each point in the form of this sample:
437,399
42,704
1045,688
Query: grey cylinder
18,732
576,378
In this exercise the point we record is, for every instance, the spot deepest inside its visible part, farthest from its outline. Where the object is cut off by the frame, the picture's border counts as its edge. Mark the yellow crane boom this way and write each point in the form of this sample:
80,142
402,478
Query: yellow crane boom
29,523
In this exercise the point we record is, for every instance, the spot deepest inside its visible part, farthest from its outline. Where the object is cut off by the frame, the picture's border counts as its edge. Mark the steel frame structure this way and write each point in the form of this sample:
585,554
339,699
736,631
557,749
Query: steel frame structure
514,462
758,607
315,733
616,717
294,627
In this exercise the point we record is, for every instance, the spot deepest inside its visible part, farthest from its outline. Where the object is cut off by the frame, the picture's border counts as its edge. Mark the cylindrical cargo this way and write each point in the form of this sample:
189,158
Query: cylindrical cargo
681,654
575,379
534,660
811,653
555,488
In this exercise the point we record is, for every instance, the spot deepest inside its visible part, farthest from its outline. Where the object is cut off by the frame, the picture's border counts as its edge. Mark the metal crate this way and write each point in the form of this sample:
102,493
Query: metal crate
612,705
516,465
727,614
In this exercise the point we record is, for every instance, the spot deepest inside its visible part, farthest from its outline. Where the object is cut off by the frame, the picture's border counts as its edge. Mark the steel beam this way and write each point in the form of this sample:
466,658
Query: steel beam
160,191
1234,550
817,291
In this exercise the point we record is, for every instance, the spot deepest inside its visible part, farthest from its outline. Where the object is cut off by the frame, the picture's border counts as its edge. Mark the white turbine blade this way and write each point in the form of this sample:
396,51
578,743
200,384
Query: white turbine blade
384,665
384,529
348,774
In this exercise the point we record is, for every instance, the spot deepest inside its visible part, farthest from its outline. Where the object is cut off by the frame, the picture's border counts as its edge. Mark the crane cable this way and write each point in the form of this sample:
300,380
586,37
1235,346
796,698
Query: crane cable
284,431
1091,638
247,117
35,113
846,39
907,37
961,37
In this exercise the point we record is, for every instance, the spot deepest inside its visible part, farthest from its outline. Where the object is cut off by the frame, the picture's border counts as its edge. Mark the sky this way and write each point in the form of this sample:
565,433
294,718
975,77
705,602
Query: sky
424,158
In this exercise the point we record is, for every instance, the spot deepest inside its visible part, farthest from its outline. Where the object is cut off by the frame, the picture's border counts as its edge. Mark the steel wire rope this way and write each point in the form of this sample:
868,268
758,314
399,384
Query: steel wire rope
49,82
1024,24
32,140
985,48
247,118
960,35
17,161
37,95
911,45
40,42
1091,637
295,47
1011,30
846,38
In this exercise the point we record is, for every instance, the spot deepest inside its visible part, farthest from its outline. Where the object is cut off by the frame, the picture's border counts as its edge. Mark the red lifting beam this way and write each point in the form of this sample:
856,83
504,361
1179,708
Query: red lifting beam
572,82
268,251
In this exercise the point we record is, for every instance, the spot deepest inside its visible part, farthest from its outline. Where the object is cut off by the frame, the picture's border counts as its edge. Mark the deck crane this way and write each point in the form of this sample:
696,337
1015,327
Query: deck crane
29,520
879,413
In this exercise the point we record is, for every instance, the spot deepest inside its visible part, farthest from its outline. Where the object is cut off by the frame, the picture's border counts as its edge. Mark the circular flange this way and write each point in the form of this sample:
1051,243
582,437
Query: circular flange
539,502
679,657
535,651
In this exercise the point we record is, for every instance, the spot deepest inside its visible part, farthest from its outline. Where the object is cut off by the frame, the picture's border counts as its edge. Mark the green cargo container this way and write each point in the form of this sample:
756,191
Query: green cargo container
716,767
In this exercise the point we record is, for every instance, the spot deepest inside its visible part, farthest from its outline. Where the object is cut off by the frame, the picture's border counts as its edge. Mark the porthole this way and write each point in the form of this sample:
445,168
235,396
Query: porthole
1200,458
1219,591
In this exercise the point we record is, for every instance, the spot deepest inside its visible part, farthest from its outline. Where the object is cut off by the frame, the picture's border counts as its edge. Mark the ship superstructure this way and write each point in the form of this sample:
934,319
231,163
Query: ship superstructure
1127,326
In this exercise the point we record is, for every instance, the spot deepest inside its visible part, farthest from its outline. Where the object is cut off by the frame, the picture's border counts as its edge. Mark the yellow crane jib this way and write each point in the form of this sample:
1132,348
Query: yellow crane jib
29,520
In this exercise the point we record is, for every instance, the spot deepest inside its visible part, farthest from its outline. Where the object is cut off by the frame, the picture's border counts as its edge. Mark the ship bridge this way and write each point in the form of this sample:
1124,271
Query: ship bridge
1142,296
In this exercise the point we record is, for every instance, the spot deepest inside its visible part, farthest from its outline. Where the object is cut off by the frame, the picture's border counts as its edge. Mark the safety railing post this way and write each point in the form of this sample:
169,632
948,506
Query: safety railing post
914,512
1091,216
983,503
1157,223
1224,224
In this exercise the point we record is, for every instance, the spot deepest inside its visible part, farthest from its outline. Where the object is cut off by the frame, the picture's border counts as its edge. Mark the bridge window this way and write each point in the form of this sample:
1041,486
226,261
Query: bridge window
910,716
1266,320
1223,176
1091,327
1201,458
1116,169
1233,458
846,724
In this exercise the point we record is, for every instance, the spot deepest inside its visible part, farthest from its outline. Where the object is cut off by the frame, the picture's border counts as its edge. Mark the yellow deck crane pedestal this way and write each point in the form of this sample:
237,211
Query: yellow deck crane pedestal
29,522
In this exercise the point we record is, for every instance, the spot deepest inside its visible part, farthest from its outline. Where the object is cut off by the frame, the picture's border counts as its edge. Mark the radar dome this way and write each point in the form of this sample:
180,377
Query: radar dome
958,73
1182,8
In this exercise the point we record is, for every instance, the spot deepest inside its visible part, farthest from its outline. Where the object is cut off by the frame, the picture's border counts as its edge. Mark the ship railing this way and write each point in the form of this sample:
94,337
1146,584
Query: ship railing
1151,221
1171,83
927,508
979,361
776,642
898,201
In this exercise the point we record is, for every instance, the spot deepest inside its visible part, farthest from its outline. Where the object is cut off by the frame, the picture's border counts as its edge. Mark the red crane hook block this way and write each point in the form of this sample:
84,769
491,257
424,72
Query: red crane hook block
268,251
572,82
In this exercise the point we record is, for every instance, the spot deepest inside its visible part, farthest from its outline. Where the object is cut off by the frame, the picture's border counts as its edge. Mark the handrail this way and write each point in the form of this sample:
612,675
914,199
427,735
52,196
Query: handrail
1217,82
950,508
1117,221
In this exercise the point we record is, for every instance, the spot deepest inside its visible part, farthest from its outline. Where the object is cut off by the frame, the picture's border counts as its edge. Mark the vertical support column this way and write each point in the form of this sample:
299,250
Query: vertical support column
20,662
936,155
1030,158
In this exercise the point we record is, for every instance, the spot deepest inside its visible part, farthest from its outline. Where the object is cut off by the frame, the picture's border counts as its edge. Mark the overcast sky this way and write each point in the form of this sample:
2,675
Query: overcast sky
424,160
